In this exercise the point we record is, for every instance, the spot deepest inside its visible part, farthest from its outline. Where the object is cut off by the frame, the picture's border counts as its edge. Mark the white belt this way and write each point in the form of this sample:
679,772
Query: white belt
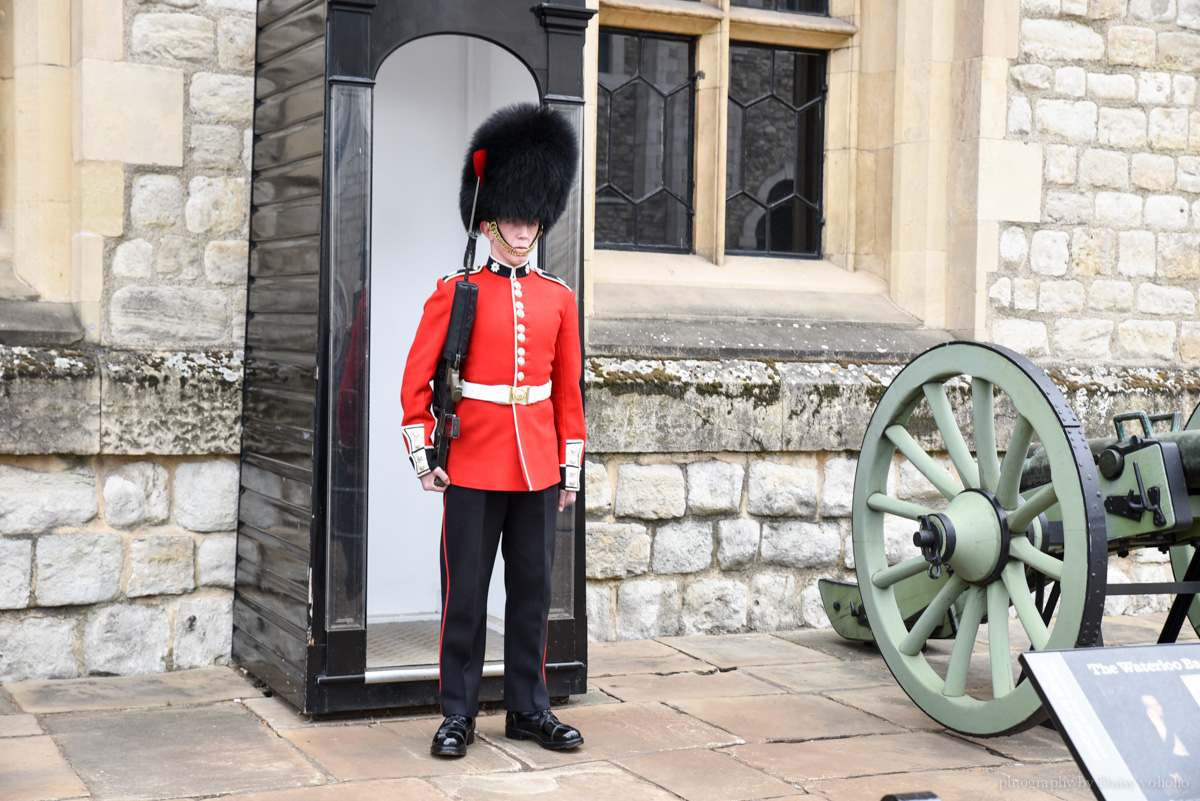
505,395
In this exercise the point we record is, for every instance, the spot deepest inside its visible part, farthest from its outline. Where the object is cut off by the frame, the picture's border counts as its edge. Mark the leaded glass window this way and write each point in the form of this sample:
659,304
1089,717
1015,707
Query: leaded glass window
645,102
775,151
798,6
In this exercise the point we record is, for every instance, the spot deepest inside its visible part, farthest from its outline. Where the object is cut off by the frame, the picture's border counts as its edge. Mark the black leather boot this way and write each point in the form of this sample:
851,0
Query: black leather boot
543,727
453,736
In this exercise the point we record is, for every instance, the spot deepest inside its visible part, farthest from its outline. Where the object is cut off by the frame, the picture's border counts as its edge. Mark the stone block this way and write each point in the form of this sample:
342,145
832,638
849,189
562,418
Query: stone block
1102,86
601,624
1146,339
227,262
37,648
1014,247
1178,256
136,494
133,259
617,550
1122,127
126,640
203,632
1118,209
1070,81
1193,131
1061,297
648,609
1074,120
837,491
1061,165
1041,8
1136,253
1024,294
35,502
1000,293
101,197
1189,342
161,566
1069,208
131,113
216,145
1187,176
773,603
1129,45
216,205
798,544
1110,296
244,6
781,489
75,569
178,255
1152,10
216,561
1183,90
1154,88
172,403
813,608
1178,50
206,495
597,489
1106,168
1077,340
172,37
157,201
714,487
1049,253
235,44
1024,336
915,487
1169,301
1156,173
1020,117
685,547
163,316
49,401
1168,128
217,96
1117,604
1189,14
1060,40
650,492
737,542
1093,251
1165,213
16,574
714,606
1031,76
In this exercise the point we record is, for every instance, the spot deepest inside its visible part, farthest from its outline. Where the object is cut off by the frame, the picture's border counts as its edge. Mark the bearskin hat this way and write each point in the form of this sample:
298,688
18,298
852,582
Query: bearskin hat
532,157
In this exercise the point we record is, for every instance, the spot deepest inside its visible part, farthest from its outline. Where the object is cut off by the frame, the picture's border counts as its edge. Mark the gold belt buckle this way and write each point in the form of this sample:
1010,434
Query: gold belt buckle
520,395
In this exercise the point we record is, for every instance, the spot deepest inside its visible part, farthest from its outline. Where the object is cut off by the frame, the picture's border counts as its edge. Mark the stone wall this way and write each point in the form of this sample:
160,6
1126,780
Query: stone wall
1110,271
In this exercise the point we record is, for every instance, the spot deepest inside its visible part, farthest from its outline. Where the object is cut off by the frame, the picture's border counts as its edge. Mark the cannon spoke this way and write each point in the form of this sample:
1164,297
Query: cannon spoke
1041,500
1008,489
983,411
1027,611
880,502
937,475
1047,565
1001,659
964,642
932,617
943,415
898,572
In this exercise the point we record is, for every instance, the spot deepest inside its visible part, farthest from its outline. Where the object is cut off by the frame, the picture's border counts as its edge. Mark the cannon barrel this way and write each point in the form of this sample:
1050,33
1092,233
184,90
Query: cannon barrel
1037,468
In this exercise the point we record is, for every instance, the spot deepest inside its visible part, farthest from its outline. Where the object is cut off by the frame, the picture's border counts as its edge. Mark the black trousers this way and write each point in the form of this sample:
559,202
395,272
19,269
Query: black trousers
474,522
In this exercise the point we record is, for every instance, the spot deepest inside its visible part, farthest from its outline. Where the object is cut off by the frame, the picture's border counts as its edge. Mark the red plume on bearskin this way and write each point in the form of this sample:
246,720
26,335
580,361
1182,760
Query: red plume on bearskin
531,155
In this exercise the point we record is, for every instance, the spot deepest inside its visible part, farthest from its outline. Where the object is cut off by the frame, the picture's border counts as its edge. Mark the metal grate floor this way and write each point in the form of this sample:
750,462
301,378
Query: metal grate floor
411,643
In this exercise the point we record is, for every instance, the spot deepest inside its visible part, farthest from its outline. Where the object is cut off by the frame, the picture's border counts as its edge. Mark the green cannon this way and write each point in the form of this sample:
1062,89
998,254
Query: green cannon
1025,520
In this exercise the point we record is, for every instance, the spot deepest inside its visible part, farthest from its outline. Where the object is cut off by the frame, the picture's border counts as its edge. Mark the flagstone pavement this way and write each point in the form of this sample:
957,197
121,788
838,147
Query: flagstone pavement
710,718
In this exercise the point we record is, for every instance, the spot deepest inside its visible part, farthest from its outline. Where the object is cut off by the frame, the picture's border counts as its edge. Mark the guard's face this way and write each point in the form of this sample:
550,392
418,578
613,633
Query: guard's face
518,234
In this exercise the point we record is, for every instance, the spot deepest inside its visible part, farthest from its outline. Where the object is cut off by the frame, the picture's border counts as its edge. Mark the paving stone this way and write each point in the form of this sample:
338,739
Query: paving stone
588,783
738,650
707,776
758,719
639,656
16,725
159,755
684,686
275,712
888,702
178,688
386,790
831,643
34,770
819,676
1039,744
988,784
390,751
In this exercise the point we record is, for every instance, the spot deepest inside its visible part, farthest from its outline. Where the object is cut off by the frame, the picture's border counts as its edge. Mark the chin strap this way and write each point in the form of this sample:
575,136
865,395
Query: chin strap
495,230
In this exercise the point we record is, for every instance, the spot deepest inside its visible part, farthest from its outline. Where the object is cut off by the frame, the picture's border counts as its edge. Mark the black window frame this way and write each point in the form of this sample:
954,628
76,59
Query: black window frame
818,8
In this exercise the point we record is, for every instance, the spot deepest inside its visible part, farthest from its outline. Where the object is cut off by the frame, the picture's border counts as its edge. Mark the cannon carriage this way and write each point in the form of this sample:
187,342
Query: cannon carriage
1023,520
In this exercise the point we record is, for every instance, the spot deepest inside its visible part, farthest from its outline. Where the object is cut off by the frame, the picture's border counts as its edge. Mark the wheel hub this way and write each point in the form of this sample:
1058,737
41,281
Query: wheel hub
970,537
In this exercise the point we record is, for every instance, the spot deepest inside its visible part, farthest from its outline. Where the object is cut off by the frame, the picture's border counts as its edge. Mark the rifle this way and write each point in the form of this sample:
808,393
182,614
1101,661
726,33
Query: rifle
447,382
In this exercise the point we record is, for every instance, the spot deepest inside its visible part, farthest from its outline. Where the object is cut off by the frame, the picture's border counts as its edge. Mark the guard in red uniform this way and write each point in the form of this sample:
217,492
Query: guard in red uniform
517,460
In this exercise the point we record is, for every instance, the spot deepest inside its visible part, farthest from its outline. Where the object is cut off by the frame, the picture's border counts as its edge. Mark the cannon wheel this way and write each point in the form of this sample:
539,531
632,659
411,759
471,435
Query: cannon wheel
1181,555
1001,541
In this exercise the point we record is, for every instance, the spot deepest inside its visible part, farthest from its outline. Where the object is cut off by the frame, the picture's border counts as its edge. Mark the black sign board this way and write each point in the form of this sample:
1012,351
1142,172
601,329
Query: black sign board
1130,715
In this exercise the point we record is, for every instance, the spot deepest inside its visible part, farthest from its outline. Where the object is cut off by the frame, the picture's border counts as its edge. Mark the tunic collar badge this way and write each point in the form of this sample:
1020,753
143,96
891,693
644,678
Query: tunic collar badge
504,271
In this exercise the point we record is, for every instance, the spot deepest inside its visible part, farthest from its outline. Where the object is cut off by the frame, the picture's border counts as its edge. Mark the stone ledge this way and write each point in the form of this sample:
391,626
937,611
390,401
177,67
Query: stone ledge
35,322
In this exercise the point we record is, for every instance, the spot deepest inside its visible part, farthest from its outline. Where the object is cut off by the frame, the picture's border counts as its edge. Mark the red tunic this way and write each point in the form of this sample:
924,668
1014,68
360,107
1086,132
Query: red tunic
526,334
